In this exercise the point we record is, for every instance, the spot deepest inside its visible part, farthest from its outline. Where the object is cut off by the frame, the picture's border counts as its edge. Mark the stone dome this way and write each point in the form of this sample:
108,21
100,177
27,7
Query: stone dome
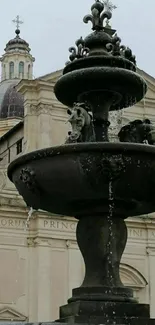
11,102
17,43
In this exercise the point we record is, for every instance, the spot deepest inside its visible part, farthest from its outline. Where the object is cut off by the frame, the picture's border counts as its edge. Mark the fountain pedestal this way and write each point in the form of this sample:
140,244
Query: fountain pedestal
102,297
99,312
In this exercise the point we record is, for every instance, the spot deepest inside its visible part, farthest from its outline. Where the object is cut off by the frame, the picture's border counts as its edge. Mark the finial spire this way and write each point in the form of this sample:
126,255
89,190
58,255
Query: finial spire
18,22
99,12
109,5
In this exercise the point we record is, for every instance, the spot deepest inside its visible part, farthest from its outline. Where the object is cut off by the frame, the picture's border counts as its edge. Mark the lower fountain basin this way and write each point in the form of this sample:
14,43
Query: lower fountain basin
83,179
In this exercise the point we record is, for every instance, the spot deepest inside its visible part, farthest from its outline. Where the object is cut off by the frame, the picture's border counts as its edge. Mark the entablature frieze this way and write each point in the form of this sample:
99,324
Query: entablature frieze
50,226
51,242
40,109
47,109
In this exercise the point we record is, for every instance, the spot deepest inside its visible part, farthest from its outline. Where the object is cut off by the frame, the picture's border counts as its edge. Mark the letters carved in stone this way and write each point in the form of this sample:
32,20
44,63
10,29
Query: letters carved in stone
136,233
49,224
65,226
59,225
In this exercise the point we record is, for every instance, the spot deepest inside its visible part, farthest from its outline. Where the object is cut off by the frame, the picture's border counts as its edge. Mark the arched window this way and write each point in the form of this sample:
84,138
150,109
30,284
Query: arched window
11,70
133,279
29,71
21,69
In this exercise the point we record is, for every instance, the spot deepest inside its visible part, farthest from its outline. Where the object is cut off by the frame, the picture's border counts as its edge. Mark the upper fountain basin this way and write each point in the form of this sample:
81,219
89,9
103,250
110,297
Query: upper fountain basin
82,179
99,73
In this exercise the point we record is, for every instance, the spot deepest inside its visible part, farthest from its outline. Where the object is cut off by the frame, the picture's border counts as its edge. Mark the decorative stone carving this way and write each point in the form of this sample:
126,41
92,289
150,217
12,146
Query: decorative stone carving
68,244
79,51
36,241
99,13
127,53
82,124
28,177
106,168
115,119
115,48
30,242
138,132
41,109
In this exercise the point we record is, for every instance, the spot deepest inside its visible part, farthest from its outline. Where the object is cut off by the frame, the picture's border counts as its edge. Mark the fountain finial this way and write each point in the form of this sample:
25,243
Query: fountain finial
109,5
78,51
99,12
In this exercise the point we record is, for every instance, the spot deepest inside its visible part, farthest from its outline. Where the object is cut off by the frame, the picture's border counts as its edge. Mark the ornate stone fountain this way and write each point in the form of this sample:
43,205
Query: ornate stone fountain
98,182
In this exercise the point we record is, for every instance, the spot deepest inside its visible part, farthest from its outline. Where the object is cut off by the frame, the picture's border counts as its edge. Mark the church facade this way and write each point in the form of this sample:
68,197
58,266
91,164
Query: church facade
40,259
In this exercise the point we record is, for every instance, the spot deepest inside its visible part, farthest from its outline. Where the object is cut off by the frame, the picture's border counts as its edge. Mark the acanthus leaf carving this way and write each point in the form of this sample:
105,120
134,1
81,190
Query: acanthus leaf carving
41,109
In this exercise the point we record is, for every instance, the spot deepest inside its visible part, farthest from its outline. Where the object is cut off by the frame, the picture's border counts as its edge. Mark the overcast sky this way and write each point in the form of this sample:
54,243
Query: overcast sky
52,26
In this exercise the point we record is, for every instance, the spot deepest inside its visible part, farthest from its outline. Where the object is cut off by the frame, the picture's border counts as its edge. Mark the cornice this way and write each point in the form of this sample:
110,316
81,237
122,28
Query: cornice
33,85
150,250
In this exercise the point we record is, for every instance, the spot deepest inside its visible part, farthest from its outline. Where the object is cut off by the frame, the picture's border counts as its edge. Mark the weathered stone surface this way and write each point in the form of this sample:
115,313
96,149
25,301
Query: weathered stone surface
104,310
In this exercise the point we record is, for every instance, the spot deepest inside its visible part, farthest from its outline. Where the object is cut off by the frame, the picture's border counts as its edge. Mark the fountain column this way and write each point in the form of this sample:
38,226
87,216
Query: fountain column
102,243
102,296
100,103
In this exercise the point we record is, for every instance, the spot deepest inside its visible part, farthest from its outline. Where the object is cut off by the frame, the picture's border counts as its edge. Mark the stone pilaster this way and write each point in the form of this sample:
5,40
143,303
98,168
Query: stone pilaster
151,257
44,120
43,290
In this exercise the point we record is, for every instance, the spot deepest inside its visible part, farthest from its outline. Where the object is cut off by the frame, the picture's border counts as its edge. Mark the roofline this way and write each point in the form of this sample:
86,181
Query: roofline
11,131
48,74
147,74
60,70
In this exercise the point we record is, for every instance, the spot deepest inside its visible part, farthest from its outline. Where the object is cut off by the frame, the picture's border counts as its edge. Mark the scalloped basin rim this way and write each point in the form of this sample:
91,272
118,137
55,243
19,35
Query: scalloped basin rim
80,148
96,59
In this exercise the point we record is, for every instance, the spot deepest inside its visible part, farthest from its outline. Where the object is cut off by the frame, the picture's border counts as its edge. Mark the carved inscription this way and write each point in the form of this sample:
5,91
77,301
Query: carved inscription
47,224
64,226
136,233
59,225
12,223
152,234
